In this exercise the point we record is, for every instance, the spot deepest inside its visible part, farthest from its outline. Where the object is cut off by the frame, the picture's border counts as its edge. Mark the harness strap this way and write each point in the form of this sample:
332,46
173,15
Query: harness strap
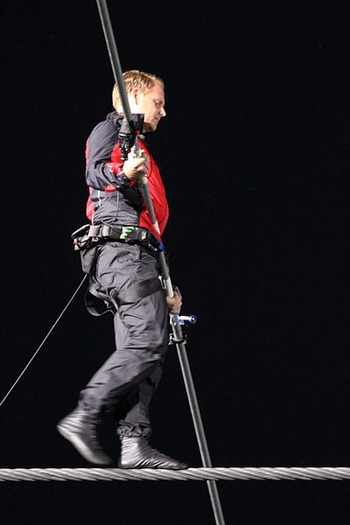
92,234
98,303
137,291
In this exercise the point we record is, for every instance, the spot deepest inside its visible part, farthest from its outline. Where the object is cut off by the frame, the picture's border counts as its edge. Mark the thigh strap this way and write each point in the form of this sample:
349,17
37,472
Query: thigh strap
99,303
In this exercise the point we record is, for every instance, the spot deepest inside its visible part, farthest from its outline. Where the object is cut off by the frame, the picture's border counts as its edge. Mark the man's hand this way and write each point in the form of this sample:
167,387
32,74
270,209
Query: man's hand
174,303
136,166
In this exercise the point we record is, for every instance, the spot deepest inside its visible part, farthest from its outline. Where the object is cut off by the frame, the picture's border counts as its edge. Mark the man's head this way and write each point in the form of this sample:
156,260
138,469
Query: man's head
145,94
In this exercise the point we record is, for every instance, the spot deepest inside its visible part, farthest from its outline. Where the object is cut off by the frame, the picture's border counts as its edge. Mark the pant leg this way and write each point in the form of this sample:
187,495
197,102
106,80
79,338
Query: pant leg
132,413
135,419
141,330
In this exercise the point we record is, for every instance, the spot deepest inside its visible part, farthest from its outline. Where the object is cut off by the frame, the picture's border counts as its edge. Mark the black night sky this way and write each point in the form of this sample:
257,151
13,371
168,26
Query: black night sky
254,156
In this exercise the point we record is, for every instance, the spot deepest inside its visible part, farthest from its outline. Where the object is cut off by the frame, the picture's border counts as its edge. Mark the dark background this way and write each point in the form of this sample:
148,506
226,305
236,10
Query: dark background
254,155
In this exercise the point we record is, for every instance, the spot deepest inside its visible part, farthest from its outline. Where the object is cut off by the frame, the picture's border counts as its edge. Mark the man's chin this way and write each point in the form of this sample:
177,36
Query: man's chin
148,127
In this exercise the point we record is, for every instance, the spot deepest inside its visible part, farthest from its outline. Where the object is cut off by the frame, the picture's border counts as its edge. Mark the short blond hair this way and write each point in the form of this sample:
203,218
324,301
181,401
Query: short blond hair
135,79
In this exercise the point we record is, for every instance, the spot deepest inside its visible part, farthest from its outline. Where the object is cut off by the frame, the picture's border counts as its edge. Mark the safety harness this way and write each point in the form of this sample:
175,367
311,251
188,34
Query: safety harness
88,238
93,234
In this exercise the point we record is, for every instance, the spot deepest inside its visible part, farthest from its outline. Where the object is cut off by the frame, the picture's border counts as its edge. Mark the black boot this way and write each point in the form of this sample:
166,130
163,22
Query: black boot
79,427
136,453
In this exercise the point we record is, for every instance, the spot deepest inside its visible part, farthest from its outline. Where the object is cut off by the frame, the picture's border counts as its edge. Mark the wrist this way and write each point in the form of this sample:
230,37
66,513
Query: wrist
122,180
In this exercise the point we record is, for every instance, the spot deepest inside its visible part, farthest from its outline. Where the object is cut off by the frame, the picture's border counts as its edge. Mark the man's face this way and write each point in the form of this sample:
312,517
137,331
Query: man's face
151,105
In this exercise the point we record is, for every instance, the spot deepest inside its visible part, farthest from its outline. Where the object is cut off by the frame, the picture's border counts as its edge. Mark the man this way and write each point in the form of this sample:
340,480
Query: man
122,263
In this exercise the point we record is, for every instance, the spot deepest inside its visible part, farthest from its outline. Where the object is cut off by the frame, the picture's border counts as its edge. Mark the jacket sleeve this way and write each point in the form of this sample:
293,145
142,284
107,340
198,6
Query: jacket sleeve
104,167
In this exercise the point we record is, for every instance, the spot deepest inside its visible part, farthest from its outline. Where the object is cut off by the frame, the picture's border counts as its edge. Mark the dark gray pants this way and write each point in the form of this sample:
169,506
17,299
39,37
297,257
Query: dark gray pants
127,381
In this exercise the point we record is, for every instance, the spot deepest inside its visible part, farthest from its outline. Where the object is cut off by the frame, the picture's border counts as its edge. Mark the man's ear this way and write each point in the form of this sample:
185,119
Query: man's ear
135,95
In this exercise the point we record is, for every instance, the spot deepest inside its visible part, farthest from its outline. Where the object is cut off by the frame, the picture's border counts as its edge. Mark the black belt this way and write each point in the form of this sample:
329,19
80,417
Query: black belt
89,235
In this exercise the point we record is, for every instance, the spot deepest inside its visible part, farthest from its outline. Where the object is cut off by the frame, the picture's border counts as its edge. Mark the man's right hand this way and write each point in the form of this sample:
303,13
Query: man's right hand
136,166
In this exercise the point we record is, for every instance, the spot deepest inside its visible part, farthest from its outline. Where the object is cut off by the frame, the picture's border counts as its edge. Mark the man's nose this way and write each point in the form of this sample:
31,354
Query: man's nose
162,112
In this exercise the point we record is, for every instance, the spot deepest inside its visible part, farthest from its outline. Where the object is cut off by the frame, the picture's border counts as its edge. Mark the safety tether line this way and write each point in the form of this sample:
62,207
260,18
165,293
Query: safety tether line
43,341
191,474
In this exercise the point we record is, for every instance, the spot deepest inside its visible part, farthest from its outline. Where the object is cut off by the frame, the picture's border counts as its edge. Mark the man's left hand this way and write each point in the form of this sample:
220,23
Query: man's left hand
175,302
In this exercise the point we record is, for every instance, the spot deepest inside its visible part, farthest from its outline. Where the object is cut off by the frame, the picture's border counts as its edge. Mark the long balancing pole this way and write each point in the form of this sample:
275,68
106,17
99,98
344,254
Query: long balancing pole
178,337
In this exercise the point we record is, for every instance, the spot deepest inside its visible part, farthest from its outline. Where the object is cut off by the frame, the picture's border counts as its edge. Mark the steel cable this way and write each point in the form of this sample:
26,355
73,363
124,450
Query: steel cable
191,474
